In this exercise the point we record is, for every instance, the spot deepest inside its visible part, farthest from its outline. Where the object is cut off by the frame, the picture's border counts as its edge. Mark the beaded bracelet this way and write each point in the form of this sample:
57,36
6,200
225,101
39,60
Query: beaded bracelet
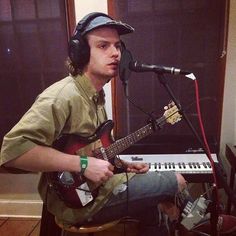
83,164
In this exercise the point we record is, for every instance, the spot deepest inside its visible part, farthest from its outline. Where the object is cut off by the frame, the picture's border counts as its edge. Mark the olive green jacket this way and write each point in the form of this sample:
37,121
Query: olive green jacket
69,106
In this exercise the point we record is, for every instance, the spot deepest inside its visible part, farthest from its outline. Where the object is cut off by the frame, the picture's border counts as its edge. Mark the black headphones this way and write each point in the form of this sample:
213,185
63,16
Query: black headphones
79,51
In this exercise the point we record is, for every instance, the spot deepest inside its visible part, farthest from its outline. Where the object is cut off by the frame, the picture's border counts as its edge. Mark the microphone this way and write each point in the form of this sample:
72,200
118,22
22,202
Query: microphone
140,67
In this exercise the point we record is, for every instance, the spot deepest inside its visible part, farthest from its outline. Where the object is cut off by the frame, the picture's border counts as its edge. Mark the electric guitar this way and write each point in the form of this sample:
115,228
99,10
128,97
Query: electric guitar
74,189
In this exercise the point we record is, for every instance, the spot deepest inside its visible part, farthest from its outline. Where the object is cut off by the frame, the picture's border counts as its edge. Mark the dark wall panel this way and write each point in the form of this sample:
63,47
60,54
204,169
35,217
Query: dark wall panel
185,34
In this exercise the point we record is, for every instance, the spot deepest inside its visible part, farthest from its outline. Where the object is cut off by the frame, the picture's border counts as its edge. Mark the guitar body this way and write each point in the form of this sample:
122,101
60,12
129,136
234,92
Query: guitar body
68,185
75,190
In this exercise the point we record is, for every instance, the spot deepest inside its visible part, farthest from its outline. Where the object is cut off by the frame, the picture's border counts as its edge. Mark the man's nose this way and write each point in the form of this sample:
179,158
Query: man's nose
115,51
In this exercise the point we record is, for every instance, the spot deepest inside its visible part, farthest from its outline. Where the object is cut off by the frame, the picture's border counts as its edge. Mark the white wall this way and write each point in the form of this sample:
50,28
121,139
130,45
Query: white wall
228,129
82,8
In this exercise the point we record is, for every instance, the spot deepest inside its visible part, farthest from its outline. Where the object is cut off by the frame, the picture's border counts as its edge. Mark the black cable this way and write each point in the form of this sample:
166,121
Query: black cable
135,105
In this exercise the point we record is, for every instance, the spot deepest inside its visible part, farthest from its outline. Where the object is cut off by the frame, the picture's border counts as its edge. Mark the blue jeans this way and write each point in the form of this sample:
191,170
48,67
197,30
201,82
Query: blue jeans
139,198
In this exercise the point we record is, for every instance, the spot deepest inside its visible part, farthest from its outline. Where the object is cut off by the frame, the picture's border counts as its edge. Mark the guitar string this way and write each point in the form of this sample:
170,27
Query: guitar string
130,139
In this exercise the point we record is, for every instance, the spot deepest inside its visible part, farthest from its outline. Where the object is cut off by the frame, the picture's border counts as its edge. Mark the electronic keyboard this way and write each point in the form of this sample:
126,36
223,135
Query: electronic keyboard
195,167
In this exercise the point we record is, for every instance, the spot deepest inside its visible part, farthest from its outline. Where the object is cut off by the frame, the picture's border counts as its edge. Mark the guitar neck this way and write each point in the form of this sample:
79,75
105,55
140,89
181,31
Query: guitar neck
124,143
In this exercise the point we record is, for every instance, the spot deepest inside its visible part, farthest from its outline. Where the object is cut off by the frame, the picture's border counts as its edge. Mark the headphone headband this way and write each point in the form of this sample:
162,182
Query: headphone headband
79,50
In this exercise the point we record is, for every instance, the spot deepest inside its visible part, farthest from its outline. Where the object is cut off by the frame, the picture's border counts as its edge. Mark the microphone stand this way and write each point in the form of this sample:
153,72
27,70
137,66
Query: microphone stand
213,206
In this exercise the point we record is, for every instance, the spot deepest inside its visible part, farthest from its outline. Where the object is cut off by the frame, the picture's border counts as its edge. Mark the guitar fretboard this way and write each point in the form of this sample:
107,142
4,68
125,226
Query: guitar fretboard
123,143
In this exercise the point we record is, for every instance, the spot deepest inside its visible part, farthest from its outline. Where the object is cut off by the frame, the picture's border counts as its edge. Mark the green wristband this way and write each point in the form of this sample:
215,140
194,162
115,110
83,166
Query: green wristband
83,164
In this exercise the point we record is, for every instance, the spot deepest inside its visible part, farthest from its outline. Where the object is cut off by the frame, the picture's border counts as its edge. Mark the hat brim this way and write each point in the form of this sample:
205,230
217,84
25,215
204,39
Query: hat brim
101,21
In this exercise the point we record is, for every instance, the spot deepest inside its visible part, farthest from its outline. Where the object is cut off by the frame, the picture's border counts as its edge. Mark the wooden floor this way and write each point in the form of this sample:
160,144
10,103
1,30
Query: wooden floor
19,227
31,227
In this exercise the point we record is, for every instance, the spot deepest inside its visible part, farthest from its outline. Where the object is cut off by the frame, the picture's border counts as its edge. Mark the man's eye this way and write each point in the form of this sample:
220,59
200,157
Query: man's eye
102,46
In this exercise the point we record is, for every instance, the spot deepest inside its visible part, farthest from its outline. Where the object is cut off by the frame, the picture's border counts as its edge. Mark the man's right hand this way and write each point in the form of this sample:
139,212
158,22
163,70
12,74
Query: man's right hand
98,170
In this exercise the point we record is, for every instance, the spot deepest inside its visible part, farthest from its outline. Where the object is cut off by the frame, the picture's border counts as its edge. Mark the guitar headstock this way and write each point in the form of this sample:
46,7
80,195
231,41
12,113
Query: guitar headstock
172,114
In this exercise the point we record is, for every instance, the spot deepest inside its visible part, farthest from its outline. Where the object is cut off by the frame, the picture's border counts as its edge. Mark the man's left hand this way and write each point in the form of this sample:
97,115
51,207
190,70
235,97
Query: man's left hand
137,167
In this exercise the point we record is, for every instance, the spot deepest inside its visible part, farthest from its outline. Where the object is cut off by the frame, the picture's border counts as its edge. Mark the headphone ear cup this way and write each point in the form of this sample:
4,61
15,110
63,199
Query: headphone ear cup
123,47
79,52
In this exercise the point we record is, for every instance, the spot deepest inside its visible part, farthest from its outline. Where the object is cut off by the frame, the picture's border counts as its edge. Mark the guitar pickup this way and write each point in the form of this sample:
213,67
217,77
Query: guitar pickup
66,178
